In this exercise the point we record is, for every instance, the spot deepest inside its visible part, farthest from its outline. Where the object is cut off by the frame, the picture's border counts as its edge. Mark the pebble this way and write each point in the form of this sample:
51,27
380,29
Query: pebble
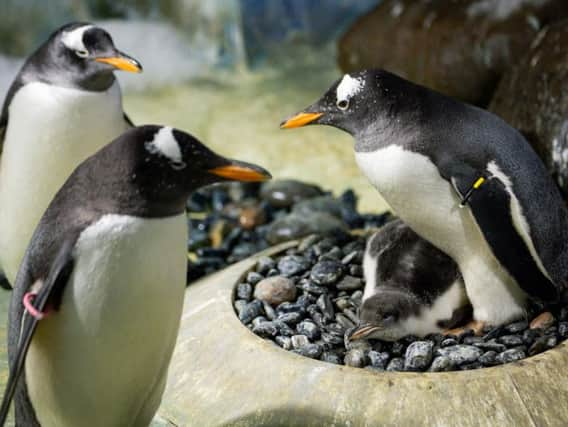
253,277
326,306
291,265
461,353
290,318
344,321
326,273
309,329
265,329
418,356
511,355
448,342
378,359
299,341
330,357
511,340
275,290
441,364
269,311
285,193
295,226
350,283
244,291
491,346
489,358
312,351
265,264
396,364
284,342
355,358
250,311
517,327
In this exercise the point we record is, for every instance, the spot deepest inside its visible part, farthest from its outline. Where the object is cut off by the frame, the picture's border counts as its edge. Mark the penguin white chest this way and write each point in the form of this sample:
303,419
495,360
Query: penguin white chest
416,191
50,131
102,359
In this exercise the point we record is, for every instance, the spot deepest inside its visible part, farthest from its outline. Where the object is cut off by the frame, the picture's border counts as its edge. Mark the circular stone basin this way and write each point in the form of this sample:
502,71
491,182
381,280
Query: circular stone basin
223,374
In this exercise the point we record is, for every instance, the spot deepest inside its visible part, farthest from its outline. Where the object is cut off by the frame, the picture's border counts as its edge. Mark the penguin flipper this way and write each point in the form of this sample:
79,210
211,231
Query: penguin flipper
490,204
50,291
127,120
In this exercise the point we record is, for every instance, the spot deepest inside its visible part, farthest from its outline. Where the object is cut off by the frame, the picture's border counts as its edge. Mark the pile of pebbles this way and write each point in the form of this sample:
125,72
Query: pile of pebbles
306,301
230,222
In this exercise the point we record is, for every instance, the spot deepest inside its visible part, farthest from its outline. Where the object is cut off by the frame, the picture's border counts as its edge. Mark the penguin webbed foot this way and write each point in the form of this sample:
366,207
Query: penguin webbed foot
476,326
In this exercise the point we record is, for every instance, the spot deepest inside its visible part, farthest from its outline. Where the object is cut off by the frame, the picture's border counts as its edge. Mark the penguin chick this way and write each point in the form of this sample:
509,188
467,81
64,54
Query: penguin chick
63,105
103,279
411,287
462,179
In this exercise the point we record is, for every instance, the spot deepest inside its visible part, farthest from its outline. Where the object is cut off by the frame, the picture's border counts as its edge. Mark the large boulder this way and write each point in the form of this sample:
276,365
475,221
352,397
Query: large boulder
532,97
460,49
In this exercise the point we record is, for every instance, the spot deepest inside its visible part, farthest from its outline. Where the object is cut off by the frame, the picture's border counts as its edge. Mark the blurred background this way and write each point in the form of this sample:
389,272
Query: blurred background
229,71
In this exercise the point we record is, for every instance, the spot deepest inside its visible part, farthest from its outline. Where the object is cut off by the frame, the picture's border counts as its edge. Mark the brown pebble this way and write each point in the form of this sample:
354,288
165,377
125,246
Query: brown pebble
251,217
542,321
275,290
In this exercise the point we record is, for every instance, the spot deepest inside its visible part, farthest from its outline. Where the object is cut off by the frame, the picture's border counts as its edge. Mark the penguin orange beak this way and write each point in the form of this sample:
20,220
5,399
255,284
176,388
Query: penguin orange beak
299,120
241,171
363,331
122,62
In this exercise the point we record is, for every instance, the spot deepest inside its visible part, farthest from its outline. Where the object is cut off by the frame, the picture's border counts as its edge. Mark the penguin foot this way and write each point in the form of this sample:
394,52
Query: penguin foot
475,325
28,305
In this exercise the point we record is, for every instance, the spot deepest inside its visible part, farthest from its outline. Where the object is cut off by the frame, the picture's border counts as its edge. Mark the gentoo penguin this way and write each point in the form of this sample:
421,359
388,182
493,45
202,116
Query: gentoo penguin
461,178
411,287
102,282
64,104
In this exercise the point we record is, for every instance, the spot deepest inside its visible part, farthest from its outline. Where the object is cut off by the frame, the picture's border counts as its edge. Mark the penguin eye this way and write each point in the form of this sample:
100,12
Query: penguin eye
82,53
343,104
388,318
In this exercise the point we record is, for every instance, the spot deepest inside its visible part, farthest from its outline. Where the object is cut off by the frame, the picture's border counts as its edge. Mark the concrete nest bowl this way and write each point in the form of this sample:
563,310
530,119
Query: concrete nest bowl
223,374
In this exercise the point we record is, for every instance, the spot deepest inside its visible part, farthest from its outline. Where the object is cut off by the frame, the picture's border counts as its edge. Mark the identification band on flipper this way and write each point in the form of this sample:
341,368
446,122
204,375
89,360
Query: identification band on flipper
478,183
28,305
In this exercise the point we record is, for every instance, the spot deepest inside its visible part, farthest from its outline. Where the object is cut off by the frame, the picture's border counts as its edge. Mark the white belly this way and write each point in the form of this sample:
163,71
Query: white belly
102,359
50,131
413,187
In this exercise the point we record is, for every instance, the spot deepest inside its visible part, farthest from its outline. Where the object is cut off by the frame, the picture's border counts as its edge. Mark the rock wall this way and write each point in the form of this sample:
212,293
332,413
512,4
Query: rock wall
461,49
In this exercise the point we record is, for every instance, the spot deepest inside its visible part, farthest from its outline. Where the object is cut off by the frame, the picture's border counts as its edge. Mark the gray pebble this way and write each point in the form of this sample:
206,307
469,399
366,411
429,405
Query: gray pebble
491,346
284,342
253,277
330,357
357,297
355,358
356,270
460,354
258,320
344,321
510,340
309,329
346,260
441,364
292,265
326,306
447,342
511,355
378,359
250,311
418,355
299,341
396,364
326,273
308,242
239,305
489,358
265,329
563,329
349,283
312,351
290,318
265,264
517,327
244,291
351,315
269,311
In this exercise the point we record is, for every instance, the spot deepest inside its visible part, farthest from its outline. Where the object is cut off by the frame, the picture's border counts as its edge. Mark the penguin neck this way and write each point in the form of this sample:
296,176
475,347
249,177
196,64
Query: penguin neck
384,132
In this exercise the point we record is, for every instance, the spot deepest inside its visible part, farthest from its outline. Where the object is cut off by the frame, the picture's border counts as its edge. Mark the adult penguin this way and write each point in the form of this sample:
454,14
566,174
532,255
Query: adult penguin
64,104
461,178
102,282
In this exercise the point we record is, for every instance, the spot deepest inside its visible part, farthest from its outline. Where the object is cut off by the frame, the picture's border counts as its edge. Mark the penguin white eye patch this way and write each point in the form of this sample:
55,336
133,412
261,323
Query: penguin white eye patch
73,40
347,89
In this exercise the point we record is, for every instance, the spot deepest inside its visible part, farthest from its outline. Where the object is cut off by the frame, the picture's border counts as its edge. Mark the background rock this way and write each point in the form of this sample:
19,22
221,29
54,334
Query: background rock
532,97
460,49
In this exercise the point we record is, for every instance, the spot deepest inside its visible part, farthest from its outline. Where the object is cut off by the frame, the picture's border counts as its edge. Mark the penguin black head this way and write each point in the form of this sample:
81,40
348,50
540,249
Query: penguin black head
381,315
151,170
79,55
357,103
